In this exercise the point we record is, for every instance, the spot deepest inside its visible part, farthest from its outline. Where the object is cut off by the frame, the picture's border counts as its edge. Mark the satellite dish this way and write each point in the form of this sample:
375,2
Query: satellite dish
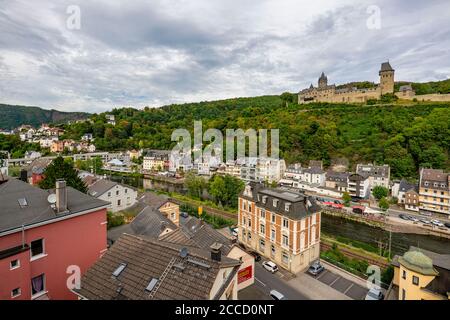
184,252
51,198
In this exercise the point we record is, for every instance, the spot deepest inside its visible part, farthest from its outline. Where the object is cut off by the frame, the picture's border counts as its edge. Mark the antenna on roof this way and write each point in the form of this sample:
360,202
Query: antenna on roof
183,252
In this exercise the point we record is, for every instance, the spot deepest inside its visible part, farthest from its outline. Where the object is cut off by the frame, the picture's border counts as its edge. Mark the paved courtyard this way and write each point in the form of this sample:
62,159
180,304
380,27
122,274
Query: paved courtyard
343,285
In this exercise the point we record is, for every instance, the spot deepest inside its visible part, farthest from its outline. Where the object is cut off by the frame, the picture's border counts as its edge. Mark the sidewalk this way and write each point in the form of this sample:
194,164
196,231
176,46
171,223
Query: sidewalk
314,289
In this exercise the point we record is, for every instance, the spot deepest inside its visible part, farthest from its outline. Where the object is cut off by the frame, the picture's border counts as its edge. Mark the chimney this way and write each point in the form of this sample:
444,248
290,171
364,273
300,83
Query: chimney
216,251
24,175
61,196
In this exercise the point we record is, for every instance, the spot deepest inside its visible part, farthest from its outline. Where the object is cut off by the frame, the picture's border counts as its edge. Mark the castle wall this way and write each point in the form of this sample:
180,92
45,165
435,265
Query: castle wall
425,97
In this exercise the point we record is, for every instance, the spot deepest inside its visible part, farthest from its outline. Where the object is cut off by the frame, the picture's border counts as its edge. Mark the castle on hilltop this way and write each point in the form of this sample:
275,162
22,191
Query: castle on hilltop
330,93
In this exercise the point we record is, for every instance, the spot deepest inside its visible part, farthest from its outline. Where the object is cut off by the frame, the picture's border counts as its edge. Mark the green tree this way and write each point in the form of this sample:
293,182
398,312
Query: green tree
194,185
347,198
383,204
60,169
380,192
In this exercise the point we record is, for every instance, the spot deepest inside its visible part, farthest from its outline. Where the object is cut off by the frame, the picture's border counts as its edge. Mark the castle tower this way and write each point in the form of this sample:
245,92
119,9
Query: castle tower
323,81
386,78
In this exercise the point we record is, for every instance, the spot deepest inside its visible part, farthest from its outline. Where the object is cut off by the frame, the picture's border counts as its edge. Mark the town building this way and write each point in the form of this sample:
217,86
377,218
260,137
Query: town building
420,275
119,196
110,119
358,185
170,272
408,195
337,180
262,169
284,226
378,175
46,235
35,170
87,137
434,191
156,160
4,163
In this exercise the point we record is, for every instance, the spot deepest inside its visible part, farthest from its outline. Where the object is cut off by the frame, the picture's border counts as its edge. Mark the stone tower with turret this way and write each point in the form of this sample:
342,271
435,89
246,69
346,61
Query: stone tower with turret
386,78
323,81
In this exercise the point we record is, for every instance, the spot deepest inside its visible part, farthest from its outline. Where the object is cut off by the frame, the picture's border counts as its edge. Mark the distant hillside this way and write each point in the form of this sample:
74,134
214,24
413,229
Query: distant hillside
13,116
427,87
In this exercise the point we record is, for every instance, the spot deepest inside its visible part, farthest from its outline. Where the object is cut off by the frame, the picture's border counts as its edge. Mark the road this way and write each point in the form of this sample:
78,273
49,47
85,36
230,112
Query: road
266,281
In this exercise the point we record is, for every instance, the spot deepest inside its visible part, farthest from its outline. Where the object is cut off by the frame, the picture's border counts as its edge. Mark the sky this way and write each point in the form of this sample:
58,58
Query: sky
95,55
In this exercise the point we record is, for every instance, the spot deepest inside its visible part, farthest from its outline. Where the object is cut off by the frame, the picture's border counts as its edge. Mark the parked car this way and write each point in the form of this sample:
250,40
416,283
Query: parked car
316,268
270,266
277,295
374,294
423,220
413,219
255,255
403,216
425,213
437,223
184,214
447,224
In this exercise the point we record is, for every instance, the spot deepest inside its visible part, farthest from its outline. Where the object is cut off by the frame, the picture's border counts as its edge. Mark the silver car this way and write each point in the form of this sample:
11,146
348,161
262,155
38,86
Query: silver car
374,294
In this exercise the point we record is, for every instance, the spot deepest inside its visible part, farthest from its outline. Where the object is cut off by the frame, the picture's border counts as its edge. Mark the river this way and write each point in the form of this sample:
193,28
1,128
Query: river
332,226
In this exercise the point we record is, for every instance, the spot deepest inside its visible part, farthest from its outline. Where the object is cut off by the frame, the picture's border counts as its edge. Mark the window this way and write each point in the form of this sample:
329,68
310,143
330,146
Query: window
109,194
285,258
38,285
262,244
249,236
264,199
272,250
403,294
14,264
118,202
263,213
404,274
273,218
15,292
126,190
275,202
173,216
117,192
415,280
287,206
245,205
285,223
262,228
272,235
37,247
285,240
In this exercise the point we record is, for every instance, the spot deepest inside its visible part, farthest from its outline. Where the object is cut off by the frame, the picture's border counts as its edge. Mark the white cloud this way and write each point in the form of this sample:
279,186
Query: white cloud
157,52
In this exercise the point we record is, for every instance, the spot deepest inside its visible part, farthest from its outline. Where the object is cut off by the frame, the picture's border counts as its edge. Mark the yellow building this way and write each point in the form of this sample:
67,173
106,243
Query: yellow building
420,275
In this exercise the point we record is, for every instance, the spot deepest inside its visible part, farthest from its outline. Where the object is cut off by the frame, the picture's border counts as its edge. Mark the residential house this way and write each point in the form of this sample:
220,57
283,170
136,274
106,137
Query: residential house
359,185
434,191
119,196
420,275
156,160
46,142
412,199
171,272
35,170
378,175
337,180
31,155
57,146
87,137
403,188
4,162
111,119
46,235
284,226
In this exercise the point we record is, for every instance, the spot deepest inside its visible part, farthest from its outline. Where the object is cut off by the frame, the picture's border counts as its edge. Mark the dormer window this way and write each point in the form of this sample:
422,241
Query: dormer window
264,199
287,206
275,202
426,184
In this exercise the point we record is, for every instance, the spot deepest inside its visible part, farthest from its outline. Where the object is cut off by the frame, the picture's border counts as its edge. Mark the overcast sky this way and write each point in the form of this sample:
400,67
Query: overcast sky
151,53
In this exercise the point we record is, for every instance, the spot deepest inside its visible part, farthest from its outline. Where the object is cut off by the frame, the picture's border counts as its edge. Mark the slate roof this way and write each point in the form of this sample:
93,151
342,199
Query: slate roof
434,176
178,278
386,66
38,209
373,170
101,186
200,234
337,176
406,186
301,205
38,166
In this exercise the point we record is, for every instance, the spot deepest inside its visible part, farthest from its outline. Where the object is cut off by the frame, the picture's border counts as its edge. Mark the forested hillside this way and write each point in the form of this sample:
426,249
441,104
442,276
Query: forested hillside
404,136
13,116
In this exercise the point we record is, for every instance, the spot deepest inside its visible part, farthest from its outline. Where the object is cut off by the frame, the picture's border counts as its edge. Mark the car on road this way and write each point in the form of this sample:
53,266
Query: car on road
374,294
255,255
276,295
413,219
425,213
447,224
270,266
437,223
403,216
423,220
184,214
316,268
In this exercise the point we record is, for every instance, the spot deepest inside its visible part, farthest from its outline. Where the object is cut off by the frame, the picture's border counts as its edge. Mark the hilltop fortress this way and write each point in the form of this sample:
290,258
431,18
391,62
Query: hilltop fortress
329,93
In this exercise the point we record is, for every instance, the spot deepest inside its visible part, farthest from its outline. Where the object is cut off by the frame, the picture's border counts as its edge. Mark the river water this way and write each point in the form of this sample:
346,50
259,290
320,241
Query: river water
332,226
